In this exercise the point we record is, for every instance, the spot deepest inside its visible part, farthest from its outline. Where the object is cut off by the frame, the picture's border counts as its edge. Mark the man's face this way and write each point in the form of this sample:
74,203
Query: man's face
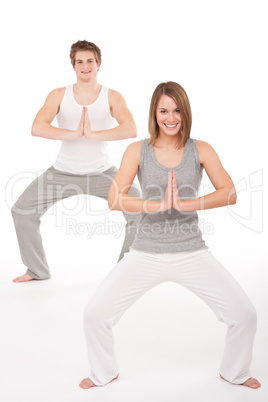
85,64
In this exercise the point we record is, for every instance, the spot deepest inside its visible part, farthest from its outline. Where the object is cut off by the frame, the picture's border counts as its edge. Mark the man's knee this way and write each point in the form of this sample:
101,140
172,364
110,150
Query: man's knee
20,213
16,212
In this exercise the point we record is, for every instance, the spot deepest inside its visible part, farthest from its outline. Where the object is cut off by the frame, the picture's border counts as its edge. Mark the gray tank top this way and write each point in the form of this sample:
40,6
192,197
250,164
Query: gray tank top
170,231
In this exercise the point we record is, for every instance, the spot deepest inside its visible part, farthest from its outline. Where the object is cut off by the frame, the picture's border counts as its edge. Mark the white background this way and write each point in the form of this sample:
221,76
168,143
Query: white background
217,50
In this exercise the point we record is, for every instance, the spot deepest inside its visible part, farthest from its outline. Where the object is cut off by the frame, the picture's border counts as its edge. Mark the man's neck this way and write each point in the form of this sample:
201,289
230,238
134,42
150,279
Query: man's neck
87,86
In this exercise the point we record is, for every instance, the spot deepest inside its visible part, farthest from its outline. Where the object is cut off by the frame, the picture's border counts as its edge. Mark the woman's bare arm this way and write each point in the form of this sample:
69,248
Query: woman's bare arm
118,196
225,193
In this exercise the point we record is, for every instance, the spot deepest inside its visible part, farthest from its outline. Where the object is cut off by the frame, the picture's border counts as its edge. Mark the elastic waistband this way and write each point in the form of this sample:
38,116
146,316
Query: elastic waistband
171,256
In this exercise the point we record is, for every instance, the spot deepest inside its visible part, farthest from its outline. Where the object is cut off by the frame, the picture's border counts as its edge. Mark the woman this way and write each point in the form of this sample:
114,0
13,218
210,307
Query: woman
169,245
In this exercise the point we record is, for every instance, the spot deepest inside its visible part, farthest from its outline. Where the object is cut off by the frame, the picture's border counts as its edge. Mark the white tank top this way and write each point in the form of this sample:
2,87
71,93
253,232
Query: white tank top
82,155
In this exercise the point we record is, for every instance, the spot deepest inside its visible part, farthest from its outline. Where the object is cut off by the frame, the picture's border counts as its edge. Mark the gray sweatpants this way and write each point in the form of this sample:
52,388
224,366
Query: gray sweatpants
46,190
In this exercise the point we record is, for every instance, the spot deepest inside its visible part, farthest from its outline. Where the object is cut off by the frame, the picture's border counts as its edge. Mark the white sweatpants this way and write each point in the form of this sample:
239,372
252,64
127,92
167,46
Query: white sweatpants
199,272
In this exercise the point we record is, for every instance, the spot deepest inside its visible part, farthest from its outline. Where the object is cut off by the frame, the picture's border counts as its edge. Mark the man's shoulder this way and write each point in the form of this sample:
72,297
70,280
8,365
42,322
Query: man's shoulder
116,98
58,91
56,95
113,94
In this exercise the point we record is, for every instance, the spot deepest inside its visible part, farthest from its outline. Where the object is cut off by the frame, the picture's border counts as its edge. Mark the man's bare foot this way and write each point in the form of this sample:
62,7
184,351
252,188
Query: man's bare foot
251,382
23,278
86,383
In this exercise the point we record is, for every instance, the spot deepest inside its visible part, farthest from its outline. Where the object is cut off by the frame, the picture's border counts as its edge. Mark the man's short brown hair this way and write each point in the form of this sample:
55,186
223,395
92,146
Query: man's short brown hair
85,45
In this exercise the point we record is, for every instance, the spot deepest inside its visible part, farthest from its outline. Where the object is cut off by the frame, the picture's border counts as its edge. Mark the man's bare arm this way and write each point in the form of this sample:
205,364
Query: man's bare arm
42,123
126,125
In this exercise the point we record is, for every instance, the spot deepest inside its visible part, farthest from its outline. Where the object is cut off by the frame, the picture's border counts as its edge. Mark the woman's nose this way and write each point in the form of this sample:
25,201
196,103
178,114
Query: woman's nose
171,117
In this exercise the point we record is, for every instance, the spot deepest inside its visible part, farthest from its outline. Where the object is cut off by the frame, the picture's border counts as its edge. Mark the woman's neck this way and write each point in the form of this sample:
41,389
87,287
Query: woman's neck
167,142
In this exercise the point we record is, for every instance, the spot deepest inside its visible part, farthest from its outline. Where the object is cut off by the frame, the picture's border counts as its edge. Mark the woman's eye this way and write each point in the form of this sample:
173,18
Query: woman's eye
177,111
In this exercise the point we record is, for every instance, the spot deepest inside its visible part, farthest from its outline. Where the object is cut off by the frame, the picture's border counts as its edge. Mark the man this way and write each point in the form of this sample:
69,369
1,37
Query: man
86,112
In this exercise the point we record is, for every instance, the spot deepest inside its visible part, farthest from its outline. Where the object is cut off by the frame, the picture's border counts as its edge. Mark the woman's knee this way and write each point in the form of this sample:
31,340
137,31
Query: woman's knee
95,314
247,315
251,315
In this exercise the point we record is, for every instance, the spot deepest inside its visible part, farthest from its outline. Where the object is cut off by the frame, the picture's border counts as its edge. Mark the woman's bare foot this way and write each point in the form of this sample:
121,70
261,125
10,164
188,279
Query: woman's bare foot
86,383
23,278
251,382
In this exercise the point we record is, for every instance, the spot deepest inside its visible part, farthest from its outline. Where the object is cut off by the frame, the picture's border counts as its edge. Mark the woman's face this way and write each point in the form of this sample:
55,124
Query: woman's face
168,116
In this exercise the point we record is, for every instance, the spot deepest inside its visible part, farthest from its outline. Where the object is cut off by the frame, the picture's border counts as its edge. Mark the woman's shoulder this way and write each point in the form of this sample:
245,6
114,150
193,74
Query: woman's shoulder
133,150
204,150
203,146
137,150
136,146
